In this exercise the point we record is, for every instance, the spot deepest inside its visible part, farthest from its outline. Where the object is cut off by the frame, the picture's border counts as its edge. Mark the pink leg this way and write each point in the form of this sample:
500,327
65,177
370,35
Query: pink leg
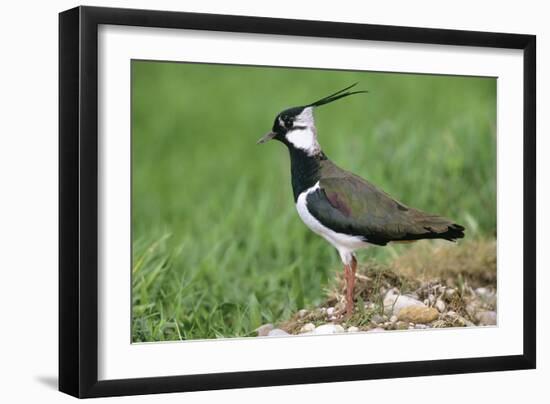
349,275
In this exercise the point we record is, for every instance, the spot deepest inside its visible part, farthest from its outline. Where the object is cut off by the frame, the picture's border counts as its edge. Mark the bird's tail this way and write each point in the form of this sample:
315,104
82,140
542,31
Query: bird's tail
440,227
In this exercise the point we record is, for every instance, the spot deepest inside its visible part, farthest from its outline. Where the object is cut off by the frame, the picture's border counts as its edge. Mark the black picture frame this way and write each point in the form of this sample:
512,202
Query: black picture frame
78,200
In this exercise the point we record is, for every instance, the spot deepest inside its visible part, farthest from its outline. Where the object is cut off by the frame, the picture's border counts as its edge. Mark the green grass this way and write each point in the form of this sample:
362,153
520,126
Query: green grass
218,248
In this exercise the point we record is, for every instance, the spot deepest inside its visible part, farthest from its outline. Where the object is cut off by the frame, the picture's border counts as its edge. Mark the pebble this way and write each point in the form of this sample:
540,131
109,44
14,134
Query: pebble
482,291
329,329
264,330
420,326
377,329
302,313
440,305
330,311
393,319
394,302
353,329
307,328
416,314
277,332
487,318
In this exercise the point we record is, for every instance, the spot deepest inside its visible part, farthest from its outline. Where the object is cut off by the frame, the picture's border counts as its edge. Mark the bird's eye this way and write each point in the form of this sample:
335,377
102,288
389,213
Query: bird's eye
288,122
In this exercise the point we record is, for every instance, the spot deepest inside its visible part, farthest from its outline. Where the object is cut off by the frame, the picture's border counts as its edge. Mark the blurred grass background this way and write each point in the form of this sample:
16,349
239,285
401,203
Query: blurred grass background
218,248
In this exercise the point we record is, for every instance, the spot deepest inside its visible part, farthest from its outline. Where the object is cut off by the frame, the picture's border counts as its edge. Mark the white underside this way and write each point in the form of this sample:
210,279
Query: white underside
344,243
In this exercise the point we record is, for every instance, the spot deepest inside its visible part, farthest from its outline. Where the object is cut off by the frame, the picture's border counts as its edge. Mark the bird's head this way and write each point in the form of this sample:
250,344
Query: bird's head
296,127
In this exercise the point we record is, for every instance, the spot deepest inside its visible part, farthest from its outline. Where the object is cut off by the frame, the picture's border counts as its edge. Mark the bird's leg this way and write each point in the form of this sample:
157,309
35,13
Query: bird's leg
353,266
350,284
349,303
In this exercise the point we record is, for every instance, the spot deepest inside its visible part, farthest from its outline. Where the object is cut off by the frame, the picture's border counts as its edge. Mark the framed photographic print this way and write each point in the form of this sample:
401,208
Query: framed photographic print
251,201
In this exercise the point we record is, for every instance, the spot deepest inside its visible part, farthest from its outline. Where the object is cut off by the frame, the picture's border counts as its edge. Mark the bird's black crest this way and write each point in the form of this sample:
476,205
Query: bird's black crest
284,121
288,115
336,96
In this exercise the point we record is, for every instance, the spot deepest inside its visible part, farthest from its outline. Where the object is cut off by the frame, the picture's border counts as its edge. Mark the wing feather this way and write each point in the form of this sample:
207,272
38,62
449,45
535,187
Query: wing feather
351,205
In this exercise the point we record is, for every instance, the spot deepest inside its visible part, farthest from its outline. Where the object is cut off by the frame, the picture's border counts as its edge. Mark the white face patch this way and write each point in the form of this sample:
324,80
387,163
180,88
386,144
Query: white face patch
304,139
305,118
304,135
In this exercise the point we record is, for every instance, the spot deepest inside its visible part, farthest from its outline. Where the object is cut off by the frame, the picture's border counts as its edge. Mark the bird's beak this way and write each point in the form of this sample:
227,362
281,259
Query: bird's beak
268,136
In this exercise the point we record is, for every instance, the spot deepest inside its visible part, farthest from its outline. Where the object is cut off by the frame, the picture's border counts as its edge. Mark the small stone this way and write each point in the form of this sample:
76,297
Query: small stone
431,299
482,291
329,329
309,327
416,314
394,302
277,332
393,319
330,311
302,313
420,326
264,330
440,305
353,329
487,318
451,313
377,329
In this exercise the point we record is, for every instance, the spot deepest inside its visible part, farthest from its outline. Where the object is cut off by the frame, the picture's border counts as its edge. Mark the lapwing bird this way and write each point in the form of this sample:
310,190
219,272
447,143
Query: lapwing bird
346,210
